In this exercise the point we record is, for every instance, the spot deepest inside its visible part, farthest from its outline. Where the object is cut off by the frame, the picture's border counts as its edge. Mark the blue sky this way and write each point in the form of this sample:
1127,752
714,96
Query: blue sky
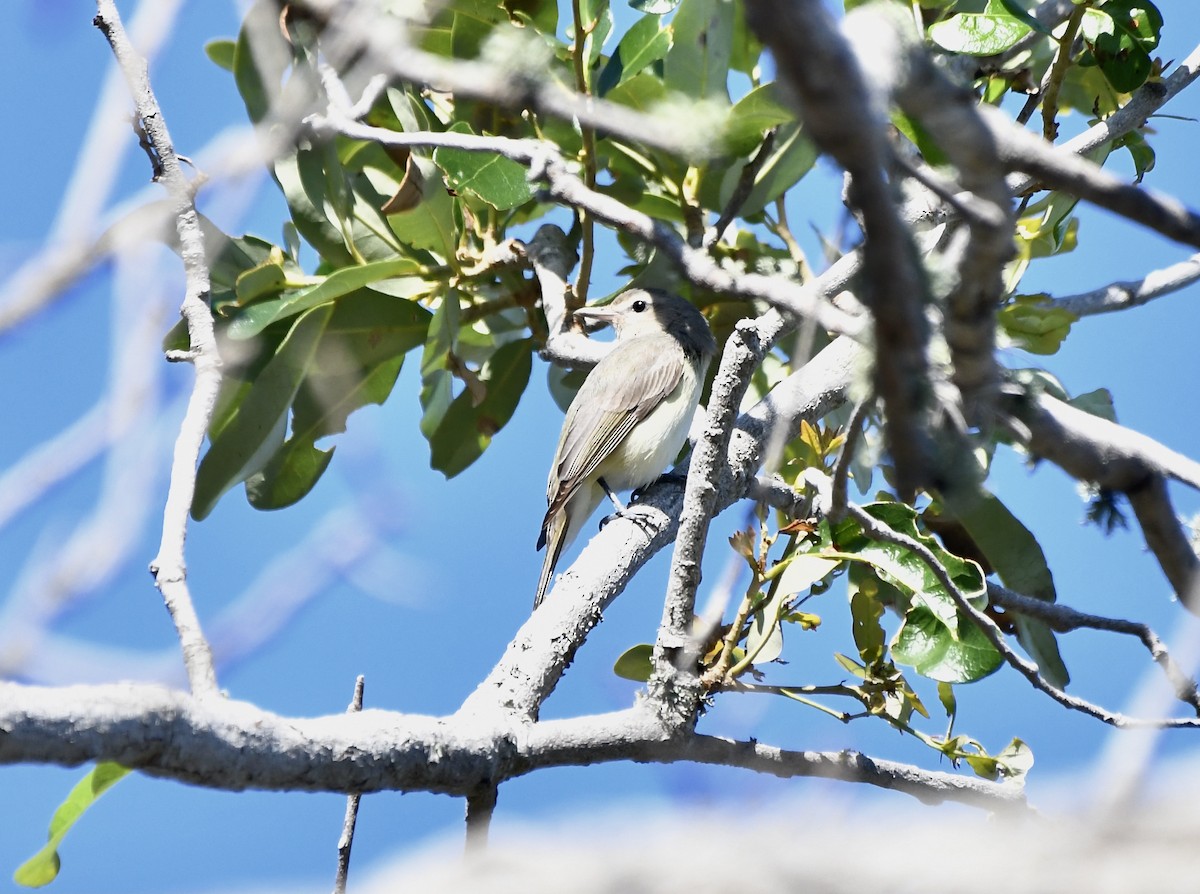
432,610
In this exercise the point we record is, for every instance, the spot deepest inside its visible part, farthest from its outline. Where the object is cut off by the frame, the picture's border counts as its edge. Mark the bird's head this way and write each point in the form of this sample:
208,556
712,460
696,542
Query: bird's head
651,311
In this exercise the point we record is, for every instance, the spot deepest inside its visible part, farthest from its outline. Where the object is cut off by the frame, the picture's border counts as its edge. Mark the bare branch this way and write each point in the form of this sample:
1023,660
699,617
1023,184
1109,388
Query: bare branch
1094,449
234,746
1133,293
346,839
169,567
675,686
891,51
1064,619
1060,169
1147,100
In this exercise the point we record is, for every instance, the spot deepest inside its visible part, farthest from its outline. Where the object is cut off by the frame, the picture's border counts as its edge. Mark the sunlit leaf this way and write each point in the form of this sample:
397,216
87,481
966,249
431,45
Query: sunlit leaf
495,179
698,62
43,867
247,442
636,663
253,320
467,428
222,52
1034,323
979,34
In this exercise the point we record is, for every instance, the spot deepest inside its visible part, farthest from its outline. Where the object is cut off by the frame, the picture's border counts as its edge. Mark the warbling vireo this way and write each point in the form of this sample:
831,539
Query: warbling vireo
632,414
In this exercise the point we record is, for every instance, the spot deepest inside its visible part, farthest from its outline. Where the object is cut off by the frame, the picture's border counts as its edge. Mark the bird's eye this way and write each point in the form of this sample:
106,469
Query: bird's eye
638,306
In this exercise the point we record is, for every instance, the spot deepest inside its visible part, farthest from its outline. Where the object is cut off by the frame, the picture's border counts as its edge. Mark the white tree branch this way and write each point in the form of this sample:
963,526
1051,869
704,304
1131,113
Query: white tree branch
169,566
234,745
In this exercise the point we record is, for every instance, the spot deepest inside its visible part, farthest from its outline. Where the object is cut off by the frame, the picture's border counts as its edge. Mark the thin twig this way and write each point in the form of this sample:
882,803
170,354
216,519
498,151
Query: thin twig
1058,71
1132,293
346,840
839,496
744,187
1063,619
169,566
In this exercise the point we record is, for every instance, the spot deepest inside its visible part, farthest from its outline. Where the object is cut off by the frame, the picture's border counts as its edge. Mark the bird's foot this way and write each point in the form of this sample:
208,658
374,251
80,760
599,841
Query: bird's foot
667,477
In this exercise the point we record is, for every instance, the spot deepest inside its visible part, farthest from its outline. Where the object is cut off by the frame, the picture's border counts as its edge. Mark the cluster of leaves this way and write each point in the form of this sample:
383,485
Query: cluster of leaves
402,239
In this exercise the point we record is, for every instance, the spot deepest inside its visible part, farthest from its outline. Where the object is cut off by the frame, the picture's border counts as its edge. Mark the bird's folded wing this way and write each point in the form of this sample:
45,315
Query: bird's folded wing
607,414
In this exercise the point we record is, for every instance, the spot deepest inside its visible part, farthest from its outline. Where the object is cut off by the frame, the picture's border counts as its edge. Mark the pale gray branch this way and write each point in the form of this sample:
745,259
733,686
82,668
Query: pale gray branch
674,685
169,566
234,746
1132,293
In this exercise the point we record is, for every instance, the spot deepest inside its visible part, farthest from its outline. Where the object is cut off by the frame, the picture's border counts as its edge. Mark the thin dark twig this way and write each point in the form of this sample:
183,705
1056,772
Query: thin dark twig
1064,619
745,185
841,472
346,841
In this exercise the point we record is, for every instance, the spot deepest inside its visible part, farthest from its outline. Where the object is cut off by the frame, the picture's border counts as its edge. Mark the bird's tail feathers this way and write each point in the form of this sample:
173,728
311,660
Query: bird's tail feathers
554,537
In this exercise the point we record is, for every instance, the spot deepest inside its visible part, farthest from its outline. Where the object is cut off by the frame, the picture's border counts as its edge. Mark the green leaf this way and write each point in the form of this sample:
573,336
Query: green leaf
431,225
937,639
1016,758
302,179
1140,151
980,34
636,663
260,59
642,92
436,376
253,320
1121,34
803,569
793,156
497,180
865,612
1098,403
542,14
646,42
698,62
267,278
221,51
288,476
467,428
356,363
255,430
1035,324
954,653
42,868
947,698
904,569
1021,565
751,117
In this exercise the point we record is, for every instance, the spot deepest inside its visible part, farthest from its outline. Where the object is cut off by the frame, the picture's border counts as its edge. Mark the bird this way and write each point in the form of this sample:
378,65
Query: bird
632,414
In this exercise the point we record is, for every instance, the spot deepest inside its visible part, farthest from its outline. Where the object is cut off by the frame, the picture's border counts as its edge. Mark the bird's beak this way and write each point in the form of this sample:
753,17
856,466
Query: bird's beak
596,317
